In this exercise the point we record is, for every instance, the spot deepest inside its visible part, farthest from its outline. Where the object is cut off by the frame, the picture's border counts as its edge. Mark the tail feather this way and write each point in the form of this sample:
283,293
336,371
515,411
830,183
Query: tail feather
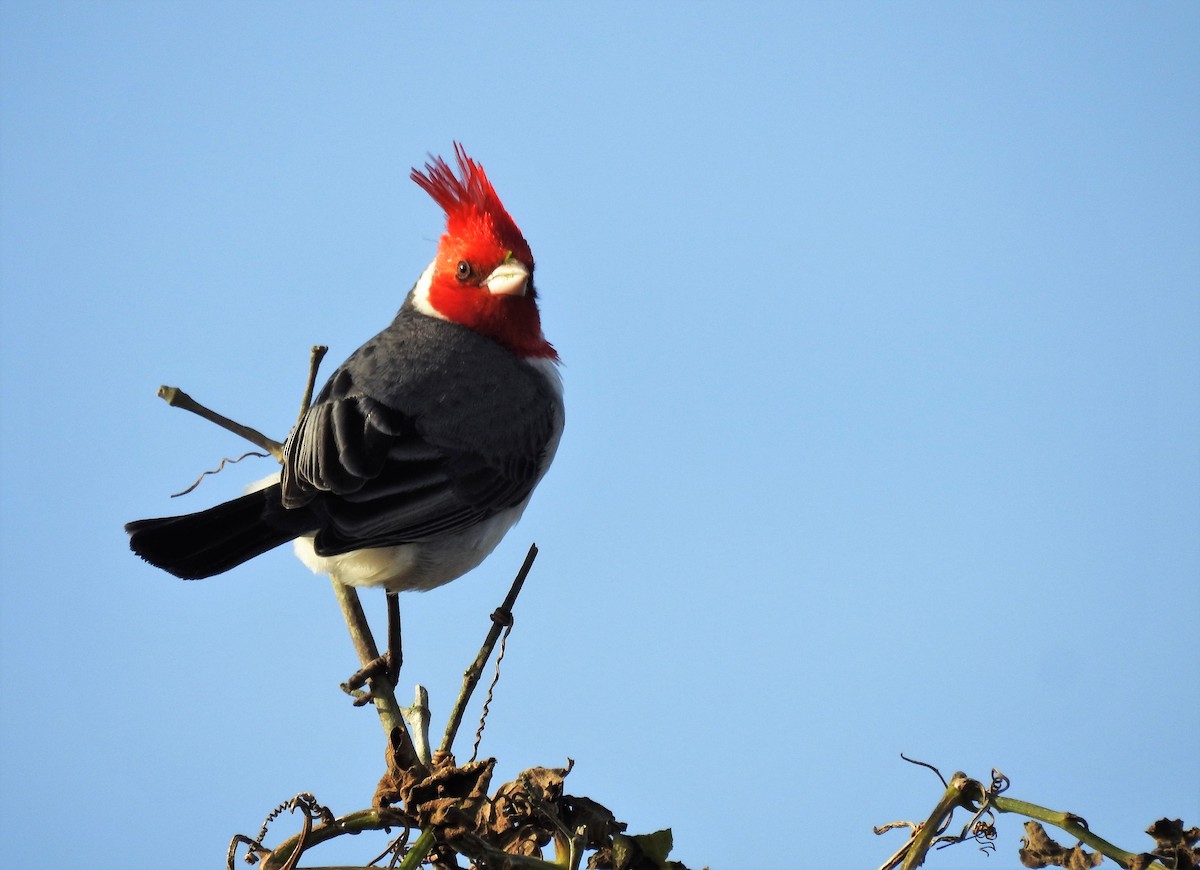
212,541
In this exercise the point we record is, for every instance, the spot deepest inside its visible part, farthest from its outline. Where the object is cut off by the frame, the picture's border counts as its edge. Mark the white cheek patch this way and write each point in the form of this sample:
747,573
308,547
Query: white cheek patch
420,294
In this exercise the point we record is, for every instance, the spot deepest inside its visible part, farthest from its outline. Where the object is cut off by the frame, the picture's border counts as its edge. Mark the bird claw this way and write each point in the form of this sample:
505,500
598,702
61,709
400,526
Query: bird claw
386,666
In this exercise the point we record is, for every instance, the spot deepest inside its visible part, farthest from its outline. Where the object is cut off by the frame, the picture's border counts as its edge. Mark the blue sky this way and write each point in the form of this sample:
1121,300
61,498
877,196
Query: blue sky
881,331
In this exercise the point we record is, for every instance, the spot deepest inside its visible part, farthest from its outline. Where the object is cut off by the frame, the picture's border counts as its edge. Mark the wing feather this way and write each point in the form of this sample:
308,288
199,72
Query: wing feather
385,461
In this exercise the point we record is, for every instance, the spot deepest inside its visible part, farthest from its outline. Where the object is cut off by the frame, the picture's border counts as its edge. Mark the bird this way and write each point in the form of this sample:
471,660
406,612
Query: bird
424,447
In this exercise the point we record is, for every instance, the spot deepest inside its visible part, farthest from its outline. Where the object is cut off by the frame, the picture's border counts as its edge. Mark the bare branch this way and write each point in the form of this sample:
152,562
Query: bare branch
177,398
382,691
500,618
314,363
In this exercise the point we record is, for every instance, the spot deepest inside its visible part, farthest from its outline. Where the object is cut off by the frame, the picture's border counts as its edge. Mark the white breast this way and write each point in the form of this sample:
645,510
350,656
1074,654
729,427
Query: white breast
420,565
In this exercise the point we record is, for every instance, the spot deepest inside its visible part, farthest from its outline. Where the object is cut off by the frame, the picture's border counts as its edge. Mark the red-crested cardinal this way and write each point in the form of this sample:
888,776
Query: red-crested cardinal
423,448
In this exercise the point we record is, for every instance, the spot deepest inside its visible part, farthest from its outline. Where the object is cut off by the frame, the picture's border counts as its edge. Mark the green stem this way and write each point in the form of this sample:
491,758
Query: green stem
364,820
418,850
950,800
1073,825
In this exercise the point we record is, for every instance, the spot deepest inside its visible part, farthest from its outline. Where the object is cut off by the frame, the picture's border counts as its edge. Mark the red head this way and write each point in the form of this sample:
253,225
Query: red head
483,273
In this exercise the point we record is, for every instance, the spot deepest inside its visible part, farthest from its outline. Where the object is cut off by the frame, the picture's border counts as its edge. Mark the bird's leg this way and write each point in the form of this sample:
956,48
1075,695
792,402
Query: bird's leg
386,665
395,653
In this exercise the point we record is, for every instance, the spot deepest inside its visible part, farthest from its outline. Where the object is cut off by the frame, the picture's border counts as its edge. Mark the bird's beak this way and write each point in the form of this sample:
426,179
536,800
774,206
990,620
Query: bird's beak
508,279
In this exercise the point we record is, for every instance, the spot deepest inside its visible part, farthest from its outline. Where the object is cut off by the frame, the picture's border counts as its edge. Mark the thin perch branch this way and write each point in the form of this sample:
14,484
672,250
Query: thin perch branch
382,691
314,363
501,618
177,398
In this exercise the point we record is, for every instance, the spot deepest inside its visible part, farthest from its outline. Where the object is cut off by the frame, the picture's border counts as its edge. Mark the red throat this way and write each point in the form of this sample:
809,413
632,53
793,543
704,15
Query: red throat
481,234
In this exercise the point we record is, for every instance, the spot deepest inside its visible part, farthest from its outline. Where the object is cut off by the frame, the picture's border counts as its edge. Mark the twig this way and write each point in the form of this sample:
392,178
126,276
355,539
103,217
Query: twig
177,398
314,363
382,691
417,717
926,764
500,618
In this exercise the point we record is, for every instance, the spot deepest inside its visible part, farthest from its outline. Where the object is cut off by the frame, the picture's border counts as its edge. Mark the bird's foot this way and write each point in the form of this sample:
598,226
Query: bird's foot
386,666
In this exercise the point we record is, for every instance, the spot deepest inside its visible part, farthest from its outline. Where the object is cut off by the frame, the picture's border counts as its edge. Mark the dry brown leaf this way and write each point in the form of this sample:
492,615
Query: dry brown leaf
521,818
598,820
1038,850
1176,847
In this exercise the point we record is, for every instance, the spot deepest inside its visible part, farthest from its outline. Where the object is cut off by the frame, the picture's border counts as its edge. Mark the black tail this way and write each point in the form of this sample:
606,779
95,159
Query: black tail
202,544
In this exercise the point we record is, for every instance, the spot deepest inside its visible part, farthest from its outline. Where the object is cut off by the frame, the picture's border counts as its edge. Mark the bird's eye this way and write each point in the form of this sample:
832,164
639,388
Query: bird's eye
464,270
